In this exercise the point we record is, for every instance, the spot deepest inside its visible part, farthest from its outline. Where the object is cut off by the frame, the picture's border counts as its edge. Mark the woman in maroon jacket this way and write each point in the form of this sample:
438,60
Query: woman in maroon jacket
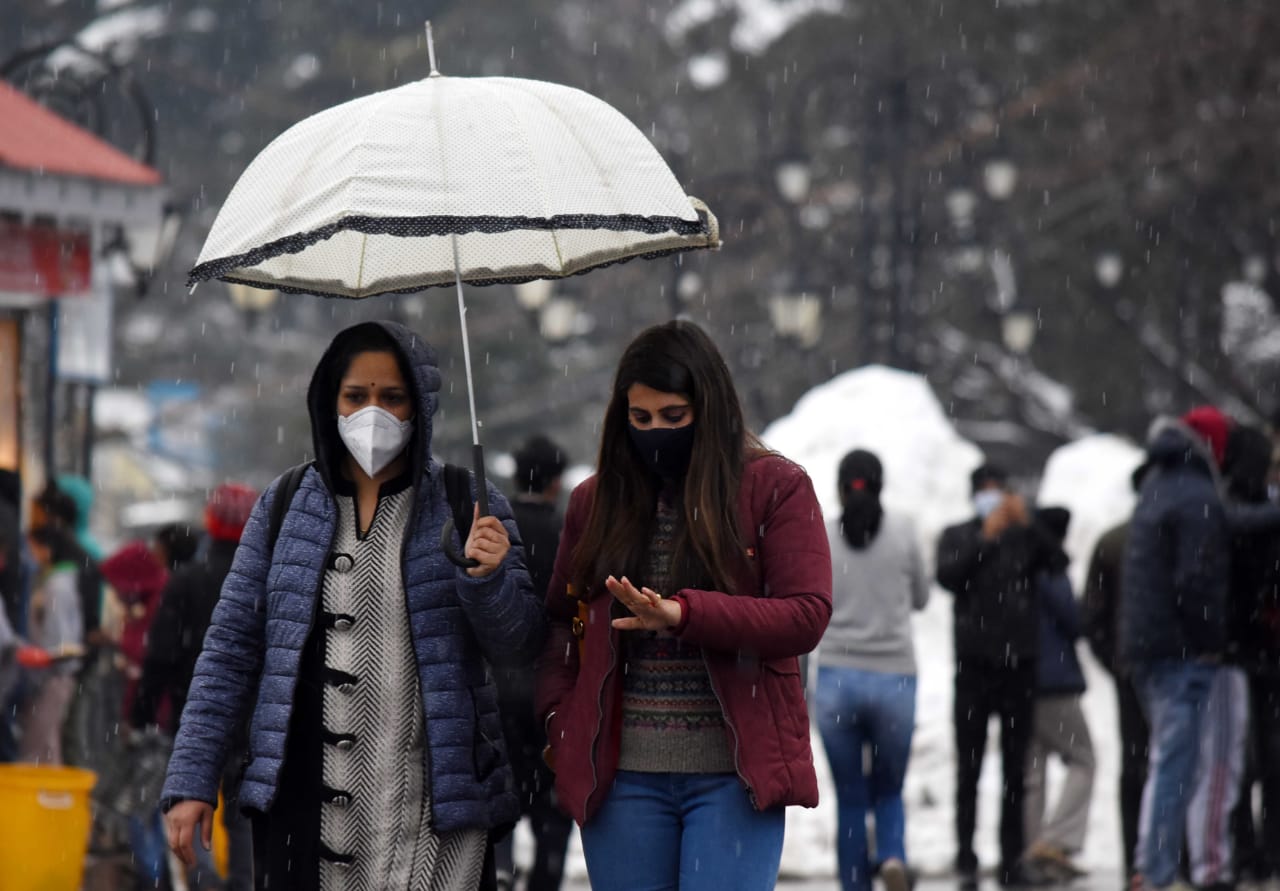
693,572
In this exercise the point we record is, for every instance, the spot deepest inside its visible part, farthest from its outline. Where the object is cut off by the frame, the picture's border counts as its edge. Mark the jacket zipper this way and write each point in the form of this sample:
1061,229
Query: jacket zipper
737,763
600,717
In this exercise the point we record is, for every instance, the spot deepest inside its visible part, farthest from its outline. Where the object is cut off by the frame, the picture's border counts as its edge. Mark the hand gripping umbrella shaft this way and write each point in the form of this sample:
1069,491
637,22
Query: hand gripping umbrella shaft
482,487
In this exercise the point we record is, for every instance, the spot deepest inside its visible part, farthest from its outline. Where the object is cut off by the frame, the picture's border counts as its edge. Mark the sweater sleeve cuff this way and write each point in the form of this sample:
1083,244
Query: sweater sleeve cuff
680,626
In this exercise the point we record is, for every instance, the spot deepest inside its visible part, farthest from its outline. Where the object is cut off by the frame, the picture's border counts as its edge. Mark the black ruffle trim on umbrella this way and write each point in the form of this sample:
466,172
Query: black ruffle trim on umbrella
419,227
477,283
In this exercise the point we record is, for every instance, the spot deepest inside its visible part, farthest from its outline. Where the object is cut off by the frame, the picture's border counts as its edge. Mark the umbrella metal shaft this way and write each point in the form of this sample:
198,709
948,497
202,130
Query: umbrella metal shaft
466,343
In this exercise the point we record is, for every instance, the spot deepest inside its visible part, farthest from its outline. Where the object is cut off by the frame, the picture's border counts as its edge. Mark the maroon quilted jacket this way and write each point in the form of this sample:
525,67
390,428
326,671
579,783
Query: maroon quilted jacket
751,642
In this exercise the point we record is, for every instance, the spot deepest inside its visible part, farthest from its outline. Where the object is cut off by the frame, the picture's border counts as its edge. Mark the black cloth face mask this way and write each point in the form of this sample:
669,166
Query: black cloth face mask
664,450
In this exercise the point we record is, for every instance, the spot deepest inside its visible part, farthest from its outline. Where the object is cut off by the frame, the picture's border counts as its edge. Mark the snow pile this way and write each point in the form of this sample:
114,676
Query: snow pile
1250,327
758,23
1091,477
895,415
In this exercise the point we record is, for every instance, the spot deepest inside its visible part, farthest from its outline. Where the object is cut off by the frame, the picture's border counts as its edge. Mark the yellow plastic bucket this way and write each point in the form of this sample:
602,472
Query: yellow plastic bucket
44,826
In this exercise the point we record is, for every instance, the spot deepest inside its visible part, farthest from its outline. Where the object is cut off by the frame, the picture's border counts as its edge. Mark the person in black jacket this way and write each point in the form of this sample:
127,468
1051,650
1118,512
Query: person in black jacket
1173,621
1102,593
540,465
1254,618
174,642
989,563
11,569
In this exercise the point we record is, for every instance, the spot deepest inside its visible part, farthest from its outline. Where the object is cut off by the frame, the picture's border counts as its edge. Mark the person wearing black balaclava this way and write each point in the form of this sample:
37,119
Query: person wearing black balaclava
867,672
989,564
693,572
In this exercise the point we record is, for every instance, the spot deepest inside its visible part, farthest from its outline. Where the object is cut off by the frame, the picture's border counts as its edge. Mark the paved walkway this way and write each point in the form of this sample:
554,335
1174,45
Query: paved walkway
1089,883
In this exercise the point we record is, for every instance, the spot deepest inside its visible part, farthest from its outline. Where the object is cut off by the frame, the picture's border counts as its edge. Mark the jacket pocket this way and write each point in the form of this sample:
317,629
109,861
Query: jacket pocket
784,692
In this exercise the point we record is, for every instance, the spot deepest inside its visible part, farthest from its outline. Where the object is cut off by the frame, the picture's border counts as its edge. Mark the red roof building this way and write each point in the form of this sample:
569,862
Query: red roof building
64,195
37,140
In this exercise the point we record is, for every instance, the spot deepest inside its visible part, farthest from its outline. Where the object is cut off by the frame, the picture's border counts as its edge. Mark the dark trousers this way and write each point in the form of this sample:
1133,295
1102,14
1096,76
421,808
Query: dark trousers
535,784
1134,735
984,690
1258,844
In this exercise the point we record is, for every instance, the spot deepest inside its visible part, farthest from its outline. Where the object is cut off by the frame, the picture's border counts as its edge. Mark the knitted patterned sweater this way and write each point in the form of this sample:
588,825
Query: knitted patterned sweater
672,721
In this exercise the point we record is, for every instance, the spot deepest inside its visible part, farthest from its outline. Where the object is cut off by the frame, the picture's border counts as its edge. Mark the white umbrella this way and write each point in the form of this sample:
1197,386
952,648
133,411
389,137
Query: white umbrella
450,180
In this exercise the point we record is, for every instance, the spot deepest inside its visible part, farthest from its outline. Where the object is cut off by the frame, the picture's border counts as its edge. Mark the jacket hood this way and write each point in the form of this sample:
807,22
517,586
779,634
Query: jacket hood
1172,443
419,363
134,570
81,492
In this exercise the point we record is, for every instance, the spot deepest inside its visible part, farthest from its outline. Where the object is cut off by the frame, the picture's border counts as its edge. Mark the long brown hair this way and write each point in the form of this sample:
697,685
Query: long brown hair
676,357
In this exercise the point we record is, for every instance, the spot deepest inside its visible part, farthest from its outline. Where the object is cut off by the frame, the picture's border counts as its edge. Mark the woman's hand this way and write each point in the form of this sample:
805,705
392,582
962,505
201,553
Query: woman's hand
650,611
180,824
488,543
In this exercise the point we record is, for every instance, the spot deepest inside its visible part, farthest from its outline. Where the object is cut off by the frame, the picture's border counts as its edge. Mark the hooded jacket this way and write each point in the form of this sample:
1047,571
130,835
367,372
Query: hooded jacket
1176,565
750,641
81,492
138,578
267,616
174,638
1058,666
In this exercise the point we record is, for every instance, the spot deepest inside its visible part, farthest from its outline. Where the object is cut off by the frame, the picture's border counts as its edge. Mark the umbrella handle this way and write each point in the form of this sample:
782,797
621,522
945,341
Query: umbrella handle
482,499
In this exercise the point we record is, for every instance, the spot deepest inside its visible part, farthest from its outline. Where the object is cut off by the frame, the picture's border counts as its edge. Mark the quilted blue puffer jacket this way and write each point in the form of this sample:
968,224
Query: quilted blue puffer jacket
268,608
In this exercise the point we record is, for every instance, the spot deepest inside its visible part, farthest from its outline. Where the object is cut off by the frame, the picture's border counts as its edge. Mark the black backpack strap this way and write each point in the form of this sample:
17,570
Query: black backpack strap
457,488
290,480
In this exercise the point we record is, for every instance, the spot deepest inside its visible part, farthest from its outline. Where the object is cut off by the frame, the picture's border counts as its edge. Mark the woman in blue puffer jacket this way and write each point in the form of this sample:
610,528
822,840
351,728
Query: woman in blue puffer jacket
358,652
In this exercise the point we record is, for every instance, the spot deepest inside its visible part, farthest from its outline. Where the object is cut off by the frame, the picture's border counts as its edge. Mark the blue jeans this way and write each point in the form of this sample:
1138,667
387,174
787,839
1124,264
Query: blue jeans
857,708
682,832
150,848
1174,696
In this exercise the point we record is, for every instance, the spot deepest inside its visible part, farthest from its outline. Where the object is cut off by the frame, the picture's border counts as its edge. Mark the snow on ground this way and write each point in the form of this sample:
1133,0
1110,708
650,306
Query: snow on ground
927,465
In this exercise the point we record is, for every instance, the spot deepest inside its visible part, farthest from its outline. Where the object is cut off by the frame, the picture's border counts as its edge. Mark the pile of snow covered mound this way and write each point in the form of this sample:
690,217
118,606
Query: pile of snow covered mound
895,415
1091,477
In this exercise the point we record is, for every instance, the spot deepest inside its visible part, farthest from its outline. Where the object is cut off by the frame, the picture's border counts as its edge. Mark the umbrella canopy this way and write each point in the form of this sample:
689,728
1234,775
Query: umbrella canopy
535,180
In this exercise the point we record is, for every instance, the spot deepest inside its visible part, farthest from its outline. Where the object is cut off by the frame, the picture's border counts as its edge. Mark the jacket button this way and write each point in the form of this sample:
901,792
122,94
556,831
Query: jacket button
342,800
346,745
343,563
347,688
343,624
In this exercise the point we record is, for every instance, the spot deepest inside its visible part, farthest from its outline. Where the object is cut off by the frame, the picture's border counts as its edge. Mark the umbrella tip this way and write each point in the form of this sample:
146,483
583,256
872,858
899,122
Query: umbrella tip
431,51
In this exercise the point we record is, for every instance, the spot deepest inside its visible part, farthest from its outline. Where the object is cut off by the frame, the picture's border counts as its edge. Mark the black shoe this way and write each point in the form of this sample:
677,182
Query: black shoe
1022,875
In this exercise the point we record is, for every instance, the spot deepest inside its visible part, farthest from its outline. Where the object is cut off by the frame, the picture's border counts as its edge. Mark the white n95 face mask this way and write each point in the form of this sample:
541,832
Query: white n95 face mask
374,437
986,501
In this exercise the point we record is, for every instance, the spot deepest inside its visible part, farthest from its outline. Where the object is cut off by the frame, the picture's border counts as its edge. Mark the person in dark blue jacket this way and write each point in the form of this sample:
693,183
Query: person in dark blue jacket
1173,619
359,652
1060,727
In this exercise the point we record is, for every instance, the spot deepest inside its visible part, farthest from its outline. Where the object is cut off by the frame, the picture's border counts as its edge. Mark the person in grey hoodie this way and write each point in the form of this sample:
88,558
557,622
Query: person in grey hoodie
867,672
